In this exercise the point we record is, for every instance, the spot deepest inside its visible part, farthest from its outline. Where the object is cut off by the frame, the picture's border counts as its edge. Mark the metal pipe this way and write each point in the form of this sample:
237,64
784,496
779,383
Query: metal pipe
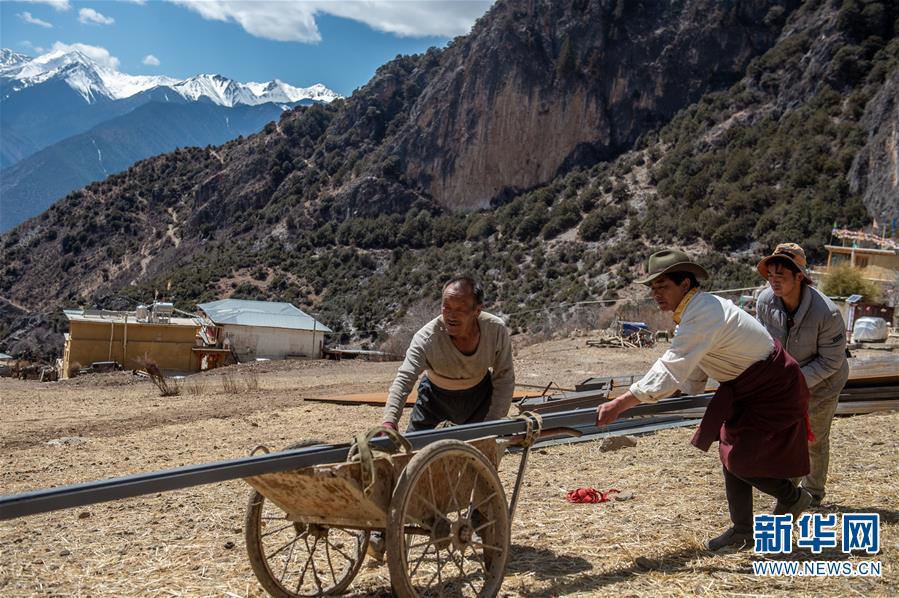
522,465
78,495
125,343
111,334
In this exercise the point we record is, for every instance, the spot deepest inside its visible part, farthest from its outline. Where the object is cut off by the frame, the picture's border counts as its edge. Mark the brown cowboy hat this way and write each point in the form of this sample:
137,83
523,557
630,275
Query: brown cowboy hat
668,261
791,252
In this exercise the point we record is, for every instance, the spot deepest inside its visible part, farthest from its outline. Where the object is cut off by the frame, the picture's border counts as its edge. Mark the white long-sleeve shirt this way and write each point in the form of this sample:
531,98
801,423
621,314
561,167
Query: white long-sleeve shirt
432,350
714,339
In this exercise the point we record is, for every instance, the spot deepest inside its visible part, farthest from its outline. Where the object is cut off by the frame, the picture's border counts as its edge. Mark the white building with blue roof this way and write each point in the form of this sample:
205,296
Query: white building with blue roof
266,329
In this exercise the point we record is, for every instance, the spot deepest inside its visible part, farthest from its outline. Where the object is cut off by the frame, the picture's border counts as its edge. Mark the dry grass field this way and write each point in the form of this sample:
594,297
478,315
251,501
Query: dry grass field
190,542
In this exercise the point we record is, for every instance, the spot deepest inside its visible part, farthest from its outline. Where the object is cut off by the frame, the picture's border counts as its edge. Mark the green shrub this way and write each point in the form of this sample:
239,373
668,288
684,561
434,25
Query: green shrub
844,280
599,221
563,217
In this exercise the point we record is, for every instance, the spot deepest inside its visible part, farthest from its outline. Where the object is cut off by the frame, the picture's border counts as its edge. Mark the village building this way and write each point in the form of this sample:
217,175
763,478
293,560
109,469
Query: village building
876,257
877,262
262,329
128,338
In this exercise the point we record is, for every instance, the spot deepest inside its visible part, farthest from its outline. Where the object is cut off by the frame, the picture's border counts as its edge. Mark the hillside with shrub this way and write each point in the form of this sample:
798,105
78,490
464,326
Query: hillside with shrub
352,210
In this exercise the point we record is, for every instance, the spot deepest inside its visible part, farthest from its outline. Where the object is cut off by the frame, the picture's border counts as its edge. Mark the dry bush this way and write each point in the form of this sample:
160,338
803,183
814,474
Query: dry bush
229,384
251,380
242,382
591,317
419,314
575,320
74,368
167,388
648,312
194,385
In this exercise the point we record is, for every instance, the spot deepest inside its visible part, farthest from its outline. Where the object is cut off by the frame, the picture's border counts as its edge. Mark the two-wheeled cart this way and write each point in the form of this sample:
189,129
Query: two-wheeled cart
441,513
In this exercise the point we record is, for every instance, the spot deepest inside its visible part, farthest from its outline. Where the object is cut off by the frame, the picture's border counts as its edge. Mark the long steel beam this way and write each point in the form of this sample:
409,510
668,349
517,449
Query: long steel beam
77,495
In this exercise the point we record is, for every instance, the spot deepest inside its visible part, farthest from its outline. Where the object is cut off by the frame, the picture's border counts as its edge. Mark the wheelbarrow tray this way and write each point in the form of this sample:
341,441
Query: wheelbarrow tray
333,494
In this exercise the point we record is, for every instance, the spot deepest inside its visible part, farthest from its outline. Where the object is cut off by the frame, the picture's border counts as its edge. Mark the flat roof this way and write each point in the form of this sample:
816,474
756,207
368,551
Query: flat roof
844,249
268,314
103,316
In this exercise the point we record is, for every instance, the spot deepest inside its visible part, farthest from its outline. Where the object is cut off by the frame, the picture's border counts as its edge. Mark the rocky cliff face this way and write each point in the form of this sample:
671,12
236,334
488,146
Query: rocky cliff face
539,87
875,171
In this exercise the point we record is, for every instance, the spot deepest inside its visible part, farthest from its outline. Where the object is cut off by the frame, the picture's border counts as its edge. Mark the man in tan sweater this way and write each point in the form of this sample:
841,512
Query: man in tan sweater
466,356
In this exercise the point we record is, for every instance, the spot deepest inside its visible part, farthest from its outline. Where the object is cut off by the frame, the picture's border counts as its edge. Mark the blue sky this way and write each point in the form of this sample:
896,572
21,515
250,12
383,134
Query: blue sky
337,43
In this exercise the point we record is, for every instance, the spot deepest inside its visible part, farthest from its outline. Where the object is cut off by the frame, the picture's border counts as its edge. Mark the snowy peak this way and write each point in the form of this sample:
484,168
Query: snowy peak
94,81
8,58
81,73
278,91
216,88
228,92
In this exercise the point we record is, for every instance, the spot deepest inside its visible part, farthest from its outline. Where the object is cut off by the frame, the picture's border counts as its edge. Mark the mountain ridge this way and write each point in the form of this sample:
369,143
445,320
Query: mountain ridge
114,145
54,96
89,79
50,102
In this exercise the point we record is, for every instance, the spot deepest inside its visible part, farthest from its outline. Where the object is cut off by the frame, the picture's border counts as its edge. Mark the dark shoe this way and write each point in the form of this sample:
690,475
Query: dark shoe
816,501
376,547
733,538
797,508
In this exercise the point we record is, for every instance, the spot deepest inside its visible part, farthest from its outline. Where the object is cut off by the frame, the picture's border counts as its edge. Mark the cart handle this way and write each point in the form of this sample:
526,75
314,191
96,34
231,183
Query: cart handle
532,433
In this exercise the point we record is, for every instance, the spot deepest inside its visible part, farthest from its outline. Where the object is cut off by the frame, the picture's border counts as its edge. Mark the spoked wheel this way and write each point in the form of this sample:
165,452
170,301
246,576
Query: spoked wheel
292,559
448,524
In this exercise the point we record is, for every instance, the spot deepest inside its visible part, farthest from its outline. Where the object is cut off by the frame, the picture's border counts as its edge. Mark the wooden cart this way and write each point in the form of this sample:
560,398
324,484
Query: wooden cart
442,511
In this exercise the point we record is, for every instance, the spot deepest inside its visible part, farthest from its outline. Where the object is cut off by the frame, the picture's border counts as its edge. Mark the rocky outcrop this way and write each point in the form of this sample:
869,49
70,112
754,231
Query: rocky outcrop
539,87
875,171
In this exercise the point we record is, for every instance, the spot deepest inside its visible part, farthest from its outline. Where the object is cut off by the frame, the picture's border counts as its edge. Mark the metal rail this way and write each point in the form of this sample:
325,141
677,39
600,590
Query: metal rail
636,426
78,495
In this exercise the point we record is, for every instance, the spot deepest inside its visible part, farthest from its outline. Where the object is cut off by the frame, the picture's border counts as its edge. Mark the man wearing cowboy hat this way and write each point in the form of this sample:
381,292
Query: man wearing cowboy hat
759,412
811,329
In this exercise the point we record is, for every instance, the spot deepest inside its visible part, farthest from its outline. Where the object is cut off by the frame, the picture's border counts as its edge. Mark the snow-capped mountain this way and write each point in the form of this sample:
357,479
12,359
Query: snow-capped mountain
67,119
93,81
9,58
228,92
82,74
66,92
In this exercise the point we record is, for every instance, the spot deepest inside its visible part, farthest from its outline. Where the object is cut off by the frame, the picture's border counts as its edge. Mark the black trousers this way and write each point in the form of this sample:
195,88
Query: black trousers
739,496
435,405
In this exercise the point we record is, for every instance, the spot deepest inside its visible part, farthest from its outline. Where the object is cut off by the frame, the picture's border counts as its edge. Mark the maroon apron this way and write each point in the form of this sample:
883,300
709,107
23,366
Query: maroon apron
760,420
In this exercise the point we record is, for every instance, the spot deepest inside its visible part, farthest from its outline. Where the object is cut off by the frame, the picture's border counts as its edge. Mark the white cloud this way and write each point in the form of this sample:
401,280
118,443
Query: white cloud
96,53
36,49
89,15
412,19
295,21
59,5
151,60
26,16
281,21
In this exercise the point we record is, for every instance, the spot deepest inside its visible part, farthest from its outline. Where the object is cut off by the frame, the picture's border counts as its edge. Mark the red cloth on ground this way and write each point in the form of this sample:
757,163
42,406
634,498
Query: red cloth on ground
590,495
759,419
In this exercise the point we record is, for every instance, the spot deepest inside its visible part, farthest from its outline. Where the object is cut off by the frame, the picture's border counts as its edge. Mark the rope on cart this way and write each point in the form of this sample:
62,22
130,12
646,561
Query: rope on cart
534,423
362,450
